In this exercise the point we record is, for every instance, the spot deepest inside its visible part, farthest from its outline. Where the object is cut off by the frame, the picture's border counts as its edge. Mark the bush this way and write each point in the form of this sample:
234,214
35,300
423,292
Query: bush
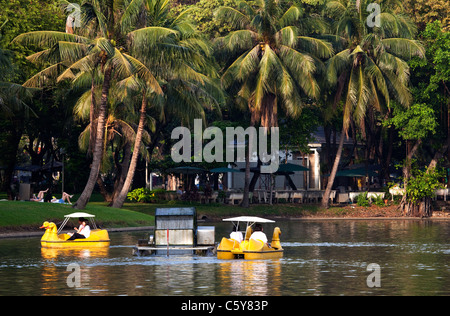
379,201
143,195
362,200
423,184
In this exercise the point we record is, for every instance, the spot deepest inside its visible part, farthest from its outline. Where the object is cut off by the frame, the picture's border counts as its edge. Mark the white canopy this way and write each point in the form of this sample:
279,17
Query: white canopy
252,219
79,214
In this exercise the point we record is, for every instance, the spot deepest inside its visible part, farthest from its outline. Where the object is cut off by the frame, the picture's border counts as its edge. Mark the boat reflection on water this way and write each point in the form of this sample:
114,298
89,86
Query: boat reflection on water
251,277
54,253
56,274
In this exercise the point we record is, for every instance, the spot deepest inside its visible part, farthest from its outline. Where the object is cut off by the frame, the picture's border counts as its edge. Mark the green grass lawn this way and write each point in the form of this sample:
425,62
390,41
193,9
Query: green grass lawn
16,215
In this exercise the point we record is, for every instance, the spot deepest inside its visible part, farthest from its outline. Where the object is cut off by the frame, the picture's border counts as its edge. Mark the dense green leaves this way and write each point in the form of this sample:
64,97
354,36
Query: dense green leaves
423,184
274,58
414,123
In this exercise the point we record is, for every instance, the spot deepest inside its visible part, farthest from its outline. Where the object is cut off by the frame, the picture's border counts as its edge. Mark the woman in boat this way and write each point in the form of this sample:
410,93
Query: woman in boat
84,231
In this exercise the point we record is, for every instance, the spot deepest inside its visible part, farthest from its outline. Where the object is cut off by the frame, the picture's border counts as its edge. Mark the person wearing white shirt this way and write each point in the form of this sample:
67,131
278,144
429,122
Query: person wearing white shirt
84,231
258,234
237,236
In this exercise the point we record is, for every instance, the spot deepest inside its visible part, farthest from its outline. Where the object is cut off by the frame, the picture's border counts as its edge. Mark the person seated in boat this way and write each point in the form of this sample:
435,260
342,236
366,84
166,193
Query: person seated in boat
236,234
64,199
258,234
39,197
84,231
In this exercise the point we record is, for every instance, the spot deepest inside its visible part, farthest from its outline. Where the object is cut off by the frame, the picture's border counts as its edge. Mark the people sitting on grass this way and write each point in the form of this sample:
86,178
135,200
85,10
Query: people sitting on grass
63,200
39,197
42,197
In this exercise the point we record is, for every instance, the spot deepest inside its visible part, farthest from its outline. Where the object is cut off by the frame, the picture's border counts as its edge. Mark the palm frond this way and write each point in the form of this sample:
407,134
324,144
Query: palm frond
404,47
232,16
374,72
337,64
350,101
399,89
301,66
150,36
269,69
144,74
290,16
47,39
43,77
287,36
14,98
238,40
316,46
71,52
84,64
123,67
130,15
362,94
335,8
242,67
390,63
82,107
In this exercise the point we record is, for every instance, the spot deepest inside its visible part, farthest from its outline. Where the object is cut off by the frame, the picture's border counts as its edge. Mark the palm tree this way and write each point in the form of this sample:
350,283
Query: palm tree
276,63
119,134
372,70
184,63
103,47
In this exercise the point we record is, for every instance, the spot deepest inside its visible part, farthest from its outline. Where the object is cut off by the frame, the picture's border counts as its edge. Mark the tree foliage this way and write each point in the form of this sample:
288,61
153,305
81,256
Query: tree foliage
423,184
424,12
414,123
286,63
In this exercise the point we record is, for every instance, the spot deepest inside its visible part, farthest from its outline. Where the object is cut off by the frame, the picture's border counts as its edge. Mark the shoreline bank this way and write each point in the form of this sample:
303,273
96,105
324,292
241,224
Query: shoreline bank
30,234
17,233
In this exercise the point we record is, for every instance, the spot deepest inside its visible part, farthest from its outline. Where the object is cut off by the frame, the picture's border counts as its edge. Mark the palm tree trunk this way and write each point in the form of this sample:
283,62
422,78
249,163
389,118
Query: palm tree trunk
326,196
92,118
245,202
98,149
120,199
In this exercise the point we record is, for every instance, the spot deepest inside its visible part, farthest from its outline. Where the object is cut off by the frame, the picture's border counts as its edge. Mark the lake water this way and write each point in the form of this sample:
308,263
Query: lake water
328,257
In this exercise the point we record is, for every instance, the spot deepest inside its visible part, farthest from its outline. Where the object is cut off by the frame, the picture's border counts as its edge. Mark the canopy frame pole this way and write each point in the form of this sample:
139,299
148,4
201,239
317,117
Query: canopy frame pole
92,221
66,219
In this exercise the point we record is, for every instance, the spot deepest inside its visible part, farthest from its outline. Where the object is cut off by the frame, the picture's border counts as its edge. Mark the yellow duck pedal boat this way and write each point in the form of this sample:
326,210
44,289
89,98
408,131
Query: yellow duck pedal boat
53,238
249,248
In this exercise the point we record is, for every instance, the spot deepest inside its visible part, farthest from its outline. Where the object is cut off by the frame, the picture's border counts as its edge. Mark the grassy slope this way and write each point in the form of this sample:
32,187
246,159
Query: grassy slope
32,214
15,215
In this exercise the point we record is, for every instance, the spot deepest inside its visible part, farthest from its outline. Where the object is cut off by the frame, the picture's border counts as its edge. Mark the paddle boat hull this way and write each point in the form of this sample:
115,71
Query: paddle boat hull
250,249
99,238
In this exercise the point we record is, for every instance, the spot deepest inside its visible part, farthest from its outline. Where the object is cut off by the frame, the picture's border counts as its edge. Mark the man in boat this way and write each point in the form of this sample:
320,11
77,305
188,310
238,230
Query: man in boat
84,231
258,234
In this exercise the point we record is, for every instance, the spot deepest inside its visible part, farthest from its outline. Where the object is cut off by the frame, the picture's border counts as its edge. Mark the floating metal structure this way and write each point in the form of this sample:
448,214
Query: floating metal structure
176,232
